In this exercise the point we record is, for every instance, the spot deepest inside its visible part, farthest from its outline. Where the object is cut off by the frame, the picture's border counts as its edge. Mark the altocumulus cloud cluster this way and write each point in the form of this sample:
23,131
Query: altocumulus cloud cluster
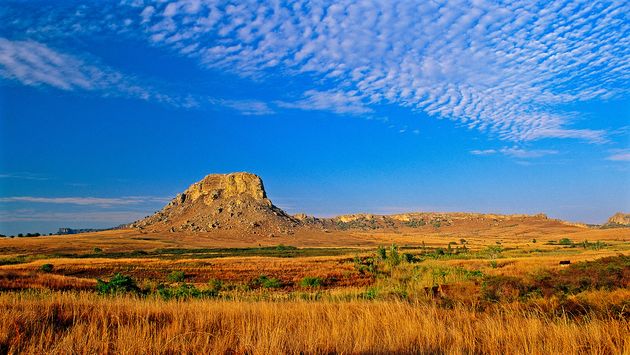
500,67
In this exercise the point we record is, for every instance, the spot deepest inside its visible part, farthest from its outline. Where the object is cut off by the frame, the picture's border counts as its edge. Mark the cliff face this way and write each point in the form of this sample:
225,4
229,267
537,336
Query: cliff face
236,201
619,219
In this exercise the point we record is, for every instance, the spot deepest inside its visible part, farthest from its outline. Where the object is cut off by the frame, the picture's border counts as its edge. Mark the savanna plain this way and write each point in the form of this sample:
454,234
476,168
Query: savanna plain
494,285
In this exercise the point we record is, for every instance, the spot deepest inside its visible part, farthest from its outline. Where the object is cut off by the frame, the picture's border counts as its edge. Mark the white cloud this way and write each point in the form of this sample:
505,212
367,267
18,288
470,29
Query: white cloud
505,68
245,107
86,201
23,176
483,152
515,152
33,63
495,67
335,101
619,155
36,64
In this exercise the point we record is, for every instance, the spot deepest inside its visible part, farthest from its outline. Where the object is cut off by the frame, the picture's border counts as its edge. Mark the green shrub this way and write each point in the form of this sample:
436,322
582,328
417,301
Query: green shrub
117,284
176,276
493,264
47,267
182,291
394,256
282,247
215,285
266,282
185,290
97,250
494,251
415,224
371,293
381,252
565,241
365,265
311,282
410,258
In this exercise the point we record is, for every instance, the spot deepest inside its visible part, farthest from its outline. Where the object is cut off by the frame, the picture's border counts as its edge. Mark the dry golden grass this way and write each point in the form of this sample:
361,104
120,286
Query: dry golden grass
85,323
403,317
479,234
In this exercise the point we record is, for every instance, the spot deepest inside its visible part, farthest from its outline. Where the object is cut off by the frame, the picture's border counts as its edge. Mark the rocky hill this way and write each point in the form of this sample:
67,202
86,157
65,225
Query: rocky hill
427,220
222,202
238,203
618,219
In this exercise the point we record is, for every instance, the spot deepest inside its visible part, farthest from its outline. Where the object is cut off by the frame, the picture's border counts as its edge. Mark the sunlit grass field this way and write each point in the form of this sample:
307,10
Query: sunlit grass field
432,294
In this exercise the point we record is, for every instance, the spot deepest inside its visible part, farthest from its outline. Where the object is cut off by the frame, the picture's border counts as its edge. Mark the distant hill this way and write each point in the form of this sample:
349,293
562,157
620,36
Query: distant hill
221,202
619,219
63,231
238,203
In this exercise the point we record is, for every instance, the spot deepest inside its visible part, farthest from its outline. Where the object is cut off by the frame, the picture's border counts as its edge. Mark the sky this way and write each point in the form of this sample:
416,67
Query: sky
108,109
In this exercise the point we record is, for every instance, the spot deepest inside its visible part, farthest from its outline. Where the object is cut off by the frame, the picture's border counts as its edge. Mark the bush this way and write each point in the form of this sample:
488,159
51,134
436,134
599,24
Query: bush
394,256
47,267
282,247
266,282
565,241
97,250
381,252
183,291
311,282
215,285
365,265
415,224
494,251
410,258
117,284
176,276
370,293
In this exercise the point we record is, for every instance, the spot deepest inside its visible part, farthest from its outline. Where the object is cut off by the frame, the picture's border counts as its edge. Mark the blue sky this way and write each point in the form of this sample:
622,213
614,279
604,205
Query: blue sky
108,109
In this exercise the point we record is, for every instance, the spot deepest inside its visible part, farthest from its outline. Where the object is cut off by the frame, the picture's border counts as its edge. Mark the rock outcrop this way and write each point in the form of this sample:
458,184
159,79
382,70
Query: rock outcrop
236,201
237,204
619,219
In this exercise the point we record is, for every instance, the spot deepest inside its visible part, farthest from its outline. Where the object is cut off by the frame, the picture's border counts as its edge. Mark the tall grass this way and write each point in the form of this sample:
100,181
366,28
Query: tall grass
57,322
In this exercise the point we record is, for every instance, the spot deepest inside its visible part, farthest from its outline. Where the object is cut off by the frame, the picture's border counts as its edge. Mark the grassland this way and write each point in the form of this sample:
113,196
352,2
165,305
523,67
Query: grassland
494,289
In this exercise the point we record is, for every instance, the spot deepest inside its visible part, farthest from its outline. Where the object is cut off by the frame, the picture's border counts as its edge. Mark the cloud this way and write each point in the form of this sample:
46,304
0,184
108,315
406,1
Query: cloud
500,68
516,152
245,107
503,68
86,201
33,63
23,176
619,155
483,152
339,102
36,64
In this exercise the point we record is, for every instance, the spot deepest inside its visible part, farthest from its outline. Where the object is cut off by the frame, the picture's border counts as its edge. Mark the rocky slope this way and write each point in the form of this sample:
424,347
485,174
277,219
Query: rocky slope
236,201
619,219
429,220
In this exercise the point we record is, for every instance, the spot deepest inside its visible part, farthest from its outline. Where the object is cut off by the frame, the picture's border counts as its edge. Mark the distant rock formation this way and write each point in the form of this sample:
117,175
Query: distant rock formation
63,231
618,219
236,201
368,221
